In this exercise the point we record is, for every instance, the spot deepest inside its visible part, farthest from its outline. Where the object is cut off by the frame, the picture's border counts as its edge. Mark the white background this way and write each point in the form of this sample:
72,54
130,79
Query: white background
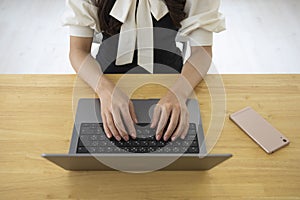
262,36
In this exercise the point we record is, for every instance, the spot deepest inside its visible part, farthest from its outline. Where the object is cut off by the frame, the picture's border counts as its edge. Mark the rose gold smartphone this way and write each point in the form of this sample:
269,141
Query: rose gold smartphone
261,131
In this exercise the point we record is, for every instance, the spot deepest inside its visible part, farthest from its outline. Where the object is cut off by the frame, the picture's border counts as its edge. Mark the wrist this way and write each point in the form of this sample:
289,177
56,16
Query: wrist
182,88
104,87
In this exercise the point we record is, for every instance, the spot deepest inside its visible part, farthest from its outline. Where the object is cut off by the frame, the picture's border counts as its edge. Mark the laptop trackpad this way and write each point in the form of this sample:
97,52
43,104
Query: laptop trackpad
144,109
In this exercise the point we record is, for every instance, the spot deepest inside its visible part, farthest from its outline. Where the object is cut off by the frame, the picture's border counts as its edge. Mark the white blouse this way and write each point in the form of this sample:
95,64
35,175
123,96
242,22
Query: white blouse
203,18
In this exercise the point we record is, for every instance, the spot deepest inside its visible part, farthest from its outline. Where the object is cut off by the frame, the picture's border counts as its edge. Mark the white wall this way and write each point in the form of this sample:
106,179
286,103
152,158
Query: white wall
262,36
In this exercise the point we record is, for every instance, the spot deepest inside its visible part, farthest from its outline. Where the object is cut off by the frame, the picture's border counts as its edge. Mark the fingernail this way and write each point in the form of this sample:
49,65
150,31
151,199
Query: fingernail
118,138
182,137
133,135
136,121
157,137
173,138
126,138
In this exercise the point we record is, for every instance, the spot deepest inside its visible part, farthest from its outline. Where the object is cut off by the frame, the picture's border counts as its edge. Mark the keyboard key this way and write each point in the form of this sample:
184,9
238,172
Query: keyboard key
192,126
166,150
161,143
144,143
109,149
190,137
91,149
82,150
151,149
128,143
119,143
135,143
94,140
103,137
84,138
84,125
142,150
186,143
100,150
118,150
192,132
178,150
194,143
192,150
152,143
126,149
159,150
95,143
95,137
104,143
133,150
177,143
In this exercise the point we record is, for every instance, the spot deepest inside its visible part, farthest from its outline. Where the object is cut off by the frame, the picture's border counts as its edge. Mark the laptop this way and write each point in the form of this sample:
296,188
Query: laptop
90,149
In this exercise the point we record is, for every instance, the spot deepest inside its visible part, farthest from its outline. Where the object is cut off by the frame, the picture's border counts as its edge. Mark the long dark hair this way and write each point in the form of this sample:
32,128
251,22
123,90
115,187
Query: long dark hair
111,26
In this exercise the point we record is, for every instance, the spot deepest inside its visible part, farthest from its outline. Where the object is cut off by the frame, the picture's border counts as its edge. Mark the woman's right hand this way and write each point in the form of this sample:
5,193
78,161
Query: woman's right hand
117,111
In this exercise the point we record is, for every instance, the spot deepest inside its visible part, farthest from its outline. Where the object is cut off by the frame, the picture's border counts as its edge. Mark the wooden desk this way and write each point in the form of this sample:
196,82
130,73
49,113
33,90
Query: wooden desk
36,117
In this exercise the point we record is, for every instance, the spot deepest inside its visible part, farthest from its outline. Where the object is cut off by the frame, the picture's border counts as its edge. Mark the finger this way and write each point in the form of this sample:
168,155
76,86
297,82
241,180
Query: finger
112,127
156,115
128,122
120,126
132,112
172,124
181,126
162,123
105,126
185,131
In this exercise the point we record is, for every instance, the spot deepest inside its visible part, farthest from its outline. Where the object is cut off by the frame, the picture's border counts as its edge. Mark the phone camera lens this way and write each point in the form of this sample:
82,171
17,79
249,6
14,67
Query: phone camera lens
284,140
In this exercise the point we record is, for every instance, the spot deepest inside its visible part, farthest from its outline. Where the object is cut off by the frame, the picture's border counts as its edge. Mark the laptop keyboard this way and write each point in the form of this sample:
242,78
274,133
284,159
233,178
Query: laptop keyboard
92,139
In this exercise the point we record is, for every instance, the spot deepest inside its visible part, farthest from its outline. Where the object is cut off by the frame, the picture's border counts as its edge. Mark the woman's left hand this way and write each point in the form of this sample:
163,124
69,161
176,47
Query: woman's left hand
171,107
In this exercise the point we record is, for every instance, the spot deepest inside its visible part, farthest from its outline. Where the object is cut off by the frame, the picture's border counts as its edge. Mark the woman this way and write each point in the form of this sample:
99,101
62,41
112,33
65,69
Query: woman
194,20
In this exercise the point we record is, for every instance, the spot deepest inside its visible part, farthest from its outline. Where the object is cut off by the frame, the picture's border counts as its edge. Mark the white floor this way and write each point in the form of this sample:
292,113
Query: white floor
262,36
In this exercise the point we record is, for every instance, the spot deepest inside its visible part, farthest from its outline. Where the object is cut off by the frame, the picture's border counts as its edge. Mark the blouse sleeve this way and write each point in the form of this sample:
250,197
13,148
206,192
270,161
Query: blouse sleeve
81,17
203,18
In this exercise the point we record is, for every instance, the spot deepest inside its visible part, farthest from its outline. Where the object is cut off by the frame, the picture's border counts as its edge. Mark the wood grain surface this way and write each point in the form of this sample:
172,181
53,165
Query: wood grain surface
36,116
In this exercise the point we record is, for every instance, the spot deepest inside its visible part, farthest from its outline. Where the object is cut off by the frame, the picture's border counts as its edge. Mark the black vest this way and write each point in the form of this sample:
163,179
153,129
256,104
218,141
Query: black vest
167,57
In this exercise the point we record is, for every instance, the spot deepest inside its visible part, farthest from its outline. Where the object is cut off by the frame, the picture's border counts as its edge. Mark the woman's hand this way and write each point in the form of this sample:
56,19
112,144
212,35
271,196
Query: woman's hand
116,108
171,107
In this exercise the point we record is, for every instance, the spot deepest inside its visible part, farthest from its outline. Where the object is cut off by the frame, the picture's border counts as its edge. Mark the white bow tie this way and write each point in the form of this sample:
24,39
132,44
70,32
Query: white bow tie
139,31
